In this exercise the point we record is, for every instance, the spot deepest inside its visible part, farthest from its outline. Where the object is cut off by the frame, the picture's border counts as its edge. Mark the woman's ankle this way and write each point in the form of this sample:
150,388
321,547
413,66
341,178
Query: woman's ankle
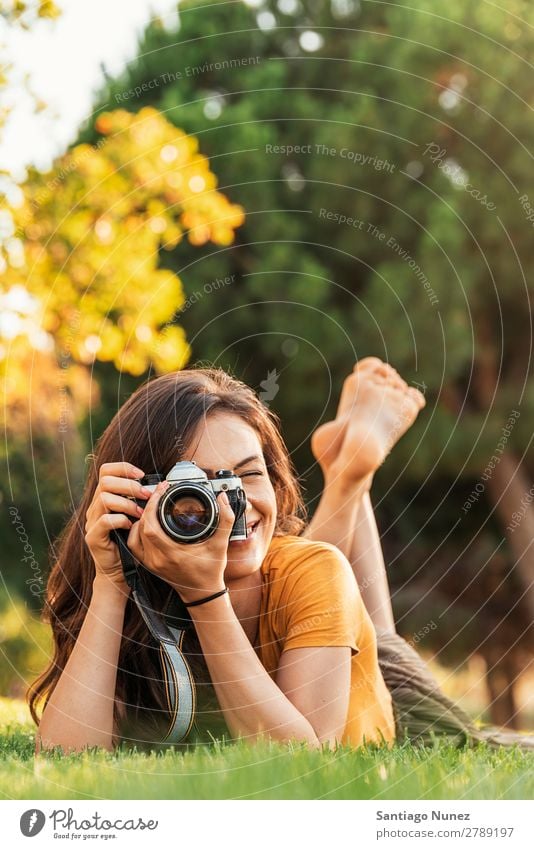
340,487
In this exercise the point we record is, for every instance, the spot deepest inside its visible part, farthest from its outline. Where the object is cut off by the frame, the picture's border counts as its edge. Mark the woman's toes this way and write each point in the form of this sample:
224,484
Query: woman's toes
417,396
367,363
375,409
375,365
399,381
383,370
393,377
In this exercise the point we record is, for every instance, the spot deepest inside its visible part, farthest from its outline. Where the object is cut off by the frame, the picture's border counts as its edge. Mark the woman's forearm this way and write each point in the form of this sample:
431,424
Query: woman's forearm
79,712
250,700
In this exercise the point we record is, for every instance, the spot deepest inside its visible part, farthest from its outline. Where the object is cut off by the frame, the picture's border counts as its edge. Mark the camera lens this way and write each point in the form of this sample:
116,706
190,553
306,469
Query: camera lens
189,514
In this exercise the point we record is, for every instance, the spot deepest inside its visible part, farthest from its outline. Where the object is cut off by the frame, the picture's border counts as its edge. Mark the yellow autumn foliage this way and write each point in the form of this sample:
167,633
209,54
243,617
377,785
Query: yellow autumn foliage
80,252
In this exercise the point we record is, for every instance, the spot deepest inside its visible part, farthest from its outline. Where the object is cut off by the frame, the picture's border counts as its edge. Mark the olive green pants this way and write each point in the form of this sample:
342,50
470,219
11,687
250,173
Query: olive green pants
423,713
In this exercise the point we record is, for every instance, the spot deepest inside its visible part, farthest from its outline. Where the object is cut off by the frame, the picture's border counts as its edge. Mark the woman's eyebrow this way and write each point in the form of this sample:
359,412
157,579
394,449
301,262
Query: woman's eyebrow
253,457
244,462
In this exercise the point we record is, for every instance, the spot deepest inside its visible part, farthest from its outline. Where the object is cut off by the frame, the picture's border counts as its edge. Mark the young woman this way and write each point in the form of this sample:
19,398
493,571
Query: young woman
303,646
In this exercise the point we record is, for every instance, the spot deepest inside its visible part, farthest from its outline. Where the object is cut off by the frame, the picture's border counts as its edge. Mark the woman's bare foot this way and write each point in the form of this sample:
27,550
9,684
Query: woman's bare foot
375,409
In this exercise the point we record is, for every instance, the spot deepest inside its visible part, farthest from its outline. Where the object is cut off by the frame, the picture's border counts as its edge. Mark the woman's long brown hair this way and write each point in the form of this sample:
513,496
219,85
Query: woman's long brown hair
152,431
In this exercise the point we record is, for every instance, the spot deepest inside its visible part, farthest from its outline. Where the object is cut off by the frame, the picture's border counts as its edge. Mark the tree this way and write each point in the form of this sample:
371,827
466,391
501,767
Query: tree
382,155
91,233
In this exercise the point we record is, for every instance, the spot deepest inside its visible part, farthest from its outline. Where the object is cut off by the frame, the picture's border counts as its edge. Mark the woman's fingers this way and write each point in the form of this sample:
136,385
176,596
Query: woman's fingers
115,494
106,523
112,503
122,470
112,508
123,486
114,520
94,520
134,542
226,515
150,523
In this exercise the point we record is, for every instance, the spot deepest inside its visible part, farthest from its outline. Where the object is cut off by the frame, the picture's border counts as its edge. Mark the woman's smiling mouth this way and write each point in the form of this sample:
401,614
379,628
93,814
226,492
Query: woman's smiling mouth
252,529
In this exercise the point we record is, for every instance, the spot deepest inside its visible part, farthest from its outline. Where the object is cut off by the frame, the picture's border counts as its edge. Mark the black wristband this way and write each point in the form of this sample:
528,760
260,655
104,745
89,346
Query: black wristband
208,598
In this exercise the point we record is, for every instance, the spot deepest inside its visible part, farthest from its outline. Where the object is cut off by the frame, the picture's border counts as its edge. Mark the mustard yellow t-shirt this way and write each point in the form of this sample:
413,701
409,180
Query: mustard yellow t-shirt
310,598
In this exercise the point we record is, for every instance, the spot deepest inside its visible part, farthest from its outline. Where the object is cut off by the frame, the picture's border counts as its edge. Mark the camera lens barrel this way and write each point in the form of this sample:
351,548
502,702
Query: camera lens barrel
188,512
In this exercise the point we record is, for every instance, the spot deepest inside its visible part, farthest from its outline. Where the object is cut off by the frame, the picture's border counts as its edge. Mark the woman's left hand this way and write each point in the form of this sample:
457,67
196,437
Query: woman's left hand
194,570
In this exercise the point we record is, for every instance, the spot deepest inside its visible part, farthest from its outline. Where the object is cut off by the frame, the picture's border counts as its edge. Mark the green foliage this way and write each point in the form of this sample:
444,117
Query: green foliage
86,245
25,645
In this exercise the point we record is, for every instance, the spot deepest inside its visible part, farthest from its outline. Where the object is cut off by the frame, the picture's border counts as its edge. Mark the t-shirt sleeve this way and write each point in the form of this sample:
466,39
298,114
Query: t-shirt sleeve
323,605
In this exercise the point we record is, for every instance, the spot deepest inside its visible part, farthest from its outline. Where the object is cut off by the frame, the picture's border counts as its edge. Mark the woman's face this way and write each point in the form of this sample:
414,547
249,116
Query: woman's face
225,441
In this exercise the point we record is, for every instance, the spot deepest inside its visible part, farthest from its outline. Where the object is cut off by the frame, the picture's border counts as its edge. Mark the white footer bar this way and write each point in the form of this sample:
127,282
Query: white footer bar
267,824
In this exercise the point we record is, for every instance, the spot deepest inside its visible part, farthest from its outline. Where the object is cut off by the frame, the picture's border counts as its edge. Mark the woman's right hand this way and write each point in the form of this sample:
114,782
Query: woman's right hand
110,509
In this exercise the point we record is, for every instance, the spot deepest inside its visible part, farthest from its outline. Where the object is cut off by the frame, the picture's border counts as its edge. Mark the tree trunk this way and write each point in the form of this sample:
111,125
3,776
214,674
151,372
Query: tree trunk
500,680
509,487
512,495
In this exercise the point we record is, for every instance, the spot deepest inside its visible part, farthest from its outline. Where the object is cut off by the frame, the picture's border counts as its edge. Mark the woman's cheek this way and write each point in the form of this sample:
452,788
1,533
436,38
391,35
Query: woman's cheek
264,502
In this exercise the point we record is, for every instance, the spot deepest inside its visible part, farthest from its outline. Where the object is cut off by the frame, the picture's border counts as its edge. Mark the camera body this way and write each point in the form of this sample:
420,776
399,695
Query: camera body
188,511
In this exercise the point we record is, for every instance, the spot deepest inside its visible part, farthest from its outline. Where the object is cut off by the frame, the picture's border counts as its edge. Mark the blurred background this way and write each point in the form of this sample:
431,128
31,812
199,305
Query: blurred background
281,187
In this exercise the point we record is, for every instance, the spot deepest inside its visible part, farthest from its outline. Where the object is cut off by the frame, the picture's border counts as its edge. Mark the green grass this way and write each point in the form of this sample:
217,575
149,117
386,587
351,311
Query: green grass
266,771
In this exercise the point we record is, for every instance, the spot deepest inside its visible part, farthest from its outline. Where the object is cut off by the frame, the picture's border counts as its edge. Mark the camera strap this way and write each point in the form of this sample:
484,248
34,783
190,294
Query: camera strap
169,630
